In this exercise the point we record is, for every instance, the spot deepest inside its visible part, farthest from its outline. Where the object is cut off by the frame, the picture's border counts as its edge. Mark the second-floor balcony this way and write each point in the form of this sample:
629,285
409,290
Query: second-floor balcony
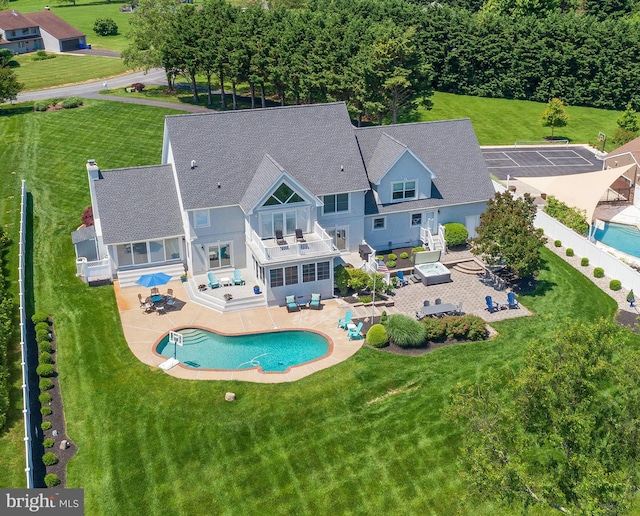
315,243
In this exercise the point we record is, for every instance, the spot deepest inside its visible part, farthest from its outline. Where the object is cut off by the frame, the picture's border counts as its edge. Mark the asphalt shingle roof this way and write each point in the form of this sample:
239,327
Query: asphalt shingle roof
449,148
385,154
54,25
138,204
315,144
267,173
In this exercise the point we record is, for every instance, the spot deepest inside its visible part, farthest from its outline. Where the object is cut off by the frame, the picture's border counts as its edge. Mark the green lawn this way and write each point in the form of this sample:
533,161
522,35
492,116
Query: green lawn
152,444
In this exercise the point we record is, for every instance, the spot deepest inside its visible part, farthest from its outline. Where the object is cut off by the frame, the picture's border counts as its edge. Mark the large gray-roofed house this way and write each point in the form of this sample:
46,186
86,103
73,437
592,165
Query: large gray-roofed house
231,182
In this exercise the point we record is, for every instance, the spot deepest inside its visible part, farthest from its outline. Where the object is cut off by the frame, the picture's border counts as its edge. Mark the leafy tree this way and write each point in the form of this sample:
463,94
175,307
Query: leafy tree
562,431
6,56
506,234
9,85
105,27
629,119
555,115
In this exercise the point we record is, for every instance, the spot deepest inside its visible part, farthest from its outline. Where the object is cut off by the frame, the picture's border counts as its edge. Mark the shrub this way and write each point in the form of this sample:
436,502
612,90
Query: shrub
377,336
631,297
569,252
87,216
571,217
380,258
39,317
42,55
44,398
45,358
615,284
45,384
71,102
341,278
51,480
49,459
477,327
41,105
46,425
42,326
45,370
435,329
405,331
138,86
383,316
392,256
45,411
391,264
557,243
43,335
45,345
598,272
358,279
584,262
455,234
417,250
404,255
105,27
365,299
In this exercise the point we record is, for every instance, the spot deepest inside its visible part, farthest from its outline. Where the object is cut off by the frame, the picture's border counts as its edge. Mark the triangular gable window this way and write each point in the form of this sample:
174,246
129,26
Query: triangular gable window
284,194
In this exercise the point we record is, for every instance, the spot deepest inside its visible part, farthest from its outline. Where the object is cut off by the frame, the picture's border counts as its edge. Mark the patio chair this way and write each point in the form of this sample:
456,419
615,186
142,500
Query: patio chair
342,323
279,238
237,277
459,309
355,332
213,281
155,291
292,304
299,236
315,301
512,302
143,300
420,316
403,281
492,306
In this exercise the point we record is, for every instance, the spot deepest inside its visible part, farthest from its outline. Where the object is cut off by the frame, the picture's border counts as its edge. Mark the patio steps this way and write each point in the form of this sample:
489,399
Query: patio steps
127,278
469,267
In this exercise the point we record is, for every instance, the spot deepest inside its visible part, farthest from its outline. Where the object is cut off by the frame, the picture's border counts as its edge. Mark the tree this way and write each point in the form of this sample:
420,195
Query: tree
105,27
9,85
629,119
506,234
554,115
560,432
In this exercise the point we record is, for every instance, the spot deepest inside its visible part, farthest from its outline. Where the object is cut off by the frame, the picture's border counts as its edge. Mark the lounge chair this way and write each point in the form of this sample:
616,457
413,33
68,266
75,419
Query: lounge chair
292,304
342,323
492,306
299,236
315,301
213,281
355,332
403,281
237,277
279,238
512,302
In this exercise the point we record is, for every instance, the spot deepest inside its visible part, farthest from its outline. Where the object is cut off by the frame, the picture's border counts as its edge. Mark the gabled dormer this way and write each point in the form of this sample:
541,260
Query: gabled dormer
396,173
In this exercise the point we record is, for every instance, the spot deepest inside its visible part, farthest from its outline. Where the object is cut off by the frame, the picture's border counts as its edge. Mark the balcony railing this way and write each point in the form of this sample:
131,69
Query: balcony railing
318,242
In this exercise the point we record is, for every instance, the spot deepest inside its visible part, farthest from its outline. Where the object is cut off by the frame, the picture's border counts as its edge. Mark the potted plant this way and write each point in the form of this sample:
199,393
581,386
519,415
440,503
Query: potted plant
183,278
256,289
631,298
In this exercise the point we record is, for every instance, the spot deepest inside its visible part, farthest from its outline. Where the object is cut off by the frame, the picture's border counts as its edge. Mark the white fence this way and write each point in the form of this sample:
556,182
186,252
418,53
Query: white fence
598,257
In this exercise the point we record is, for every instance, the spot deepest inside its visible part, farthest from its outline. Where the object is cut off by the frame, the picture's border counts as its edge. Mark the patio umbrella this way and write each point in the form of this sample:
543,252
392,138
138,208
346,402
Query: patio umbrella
153,280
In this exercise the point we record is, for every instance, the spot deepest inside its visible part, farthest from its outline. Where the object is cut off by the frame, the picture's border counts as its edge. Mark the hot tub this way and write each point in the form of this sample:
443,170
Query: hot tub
433,273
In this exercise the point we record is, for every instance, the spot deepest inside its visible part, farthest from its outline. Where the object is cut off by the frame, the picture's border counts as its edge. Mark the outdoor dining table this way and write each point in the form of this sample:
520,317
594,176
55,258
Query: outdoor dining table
439,309
157,298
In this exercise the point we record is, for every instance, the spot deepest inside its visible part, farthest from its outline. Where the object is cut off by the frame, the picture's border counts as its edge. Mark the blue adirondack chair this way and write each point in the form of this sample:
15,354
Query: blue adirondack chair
213,281
512,301
355,332
315,301
237,277
492,306
292,304
342,323
403,281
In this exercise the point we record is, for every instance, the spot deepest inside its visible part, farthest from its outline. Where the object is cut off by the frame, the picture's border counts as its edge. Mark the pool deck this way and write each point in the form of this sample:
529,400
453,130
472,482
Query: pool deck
142,331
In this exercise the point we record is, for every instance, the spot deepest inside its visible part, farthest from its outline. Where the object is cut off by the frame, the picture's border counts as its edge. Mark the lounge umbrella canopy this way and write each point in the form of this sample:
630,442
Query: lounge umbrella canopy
153,280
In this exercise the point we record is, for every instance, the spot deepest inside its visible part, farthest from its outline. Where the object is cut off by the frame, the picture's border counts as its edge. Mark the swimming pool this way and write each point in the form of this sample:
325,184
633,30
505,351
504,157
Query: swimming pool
622,237
274,351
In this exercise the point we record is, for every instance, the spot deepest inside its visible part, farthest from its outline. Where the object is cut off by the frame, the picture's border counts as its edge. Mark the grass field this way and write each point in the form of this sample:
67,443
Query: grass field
152,444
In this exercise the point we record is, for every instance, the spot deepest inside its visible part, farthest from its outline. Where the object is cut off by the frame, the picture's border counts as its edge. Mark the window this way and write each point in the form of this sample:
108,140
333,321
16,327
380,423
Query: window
276,278
379,223
323,271
201,218
336,202
284,194
403,190
153,251
25,31
291,275
308,272
416,219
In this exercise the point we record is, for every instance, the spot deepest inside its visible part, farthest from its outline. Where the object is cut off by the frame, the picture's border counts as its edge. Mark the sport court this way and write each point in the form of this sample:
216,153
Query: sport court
539,161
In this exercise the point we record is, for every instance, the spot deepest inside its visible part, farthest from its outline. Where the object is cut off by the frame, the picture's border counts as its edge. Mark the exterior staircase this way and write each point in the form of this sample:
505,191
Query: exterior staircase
127,278
434,242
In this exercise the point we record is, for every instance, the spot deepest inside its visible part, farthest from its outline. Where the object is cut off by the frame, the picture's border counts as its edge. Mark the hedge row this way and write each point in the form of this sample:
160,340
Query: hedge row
6,332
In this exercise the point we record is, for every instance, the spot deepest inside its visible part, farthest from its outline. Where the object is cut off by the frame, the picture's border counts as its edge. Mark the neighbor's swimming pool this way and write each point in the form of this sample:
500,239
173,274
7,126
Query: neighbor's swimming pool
274,351
622,237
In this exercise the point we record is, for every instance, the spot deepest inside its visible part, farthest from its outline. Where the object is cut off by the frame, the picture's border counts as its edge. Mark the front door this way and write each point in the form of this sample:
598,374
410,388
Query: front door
339,236
430,221
219,255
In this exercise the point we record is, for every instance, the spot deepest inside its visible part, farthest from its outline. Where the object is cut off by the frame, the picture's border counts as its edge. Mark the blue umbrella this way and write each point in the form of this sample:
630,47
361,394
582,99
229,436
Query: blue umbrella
153,280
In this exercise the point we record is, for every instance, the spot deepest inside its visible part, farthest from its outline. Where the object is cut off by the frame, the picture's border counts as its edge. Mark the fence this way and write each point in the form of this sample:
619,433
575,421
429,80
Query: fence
582,247
26,410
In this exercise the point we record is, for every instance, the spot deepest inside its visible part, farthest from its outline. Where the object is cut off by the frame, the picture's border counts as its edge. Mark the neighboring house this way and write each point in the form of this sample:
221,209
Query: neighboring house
230,182
43,30
626,155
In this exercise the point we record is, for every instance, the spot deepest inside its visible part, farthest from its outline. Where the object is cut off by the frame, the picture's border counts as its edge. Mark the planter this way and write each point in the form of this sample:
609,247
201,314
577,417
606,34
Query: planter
183,279
256,290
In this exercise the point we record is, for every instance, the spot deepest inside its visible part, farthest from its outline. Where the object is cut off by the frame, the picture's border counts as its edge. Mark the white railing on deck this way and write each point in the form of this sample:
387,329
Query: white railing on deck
310,247
441,236
93,271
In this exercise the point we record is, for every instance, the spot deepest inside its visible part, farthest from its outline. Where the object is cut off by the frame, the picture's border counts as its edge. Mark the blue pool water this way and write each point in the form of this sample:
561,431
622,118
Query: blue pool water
621,237
272,351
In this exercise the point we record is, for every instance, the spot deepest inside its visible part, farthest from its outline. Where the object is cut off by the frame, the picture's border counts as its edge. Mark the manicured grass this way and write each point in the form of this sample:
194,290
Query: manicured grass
65,69
152,444
503,122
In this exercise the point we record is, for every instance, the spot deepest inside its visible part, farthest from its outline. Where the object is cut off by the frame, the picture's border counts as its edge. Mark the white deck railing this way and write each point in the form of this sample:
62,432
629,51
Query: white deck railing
317,242
93,271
